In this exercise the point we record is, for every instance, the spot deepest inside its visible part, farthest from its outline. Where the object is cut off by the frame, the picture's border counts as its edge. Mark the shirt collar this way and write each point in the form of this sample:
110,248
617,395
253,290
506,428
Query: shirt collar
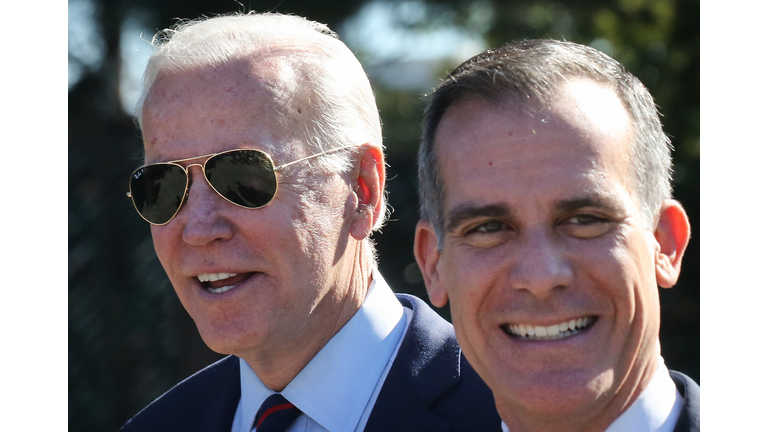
335,386
655,410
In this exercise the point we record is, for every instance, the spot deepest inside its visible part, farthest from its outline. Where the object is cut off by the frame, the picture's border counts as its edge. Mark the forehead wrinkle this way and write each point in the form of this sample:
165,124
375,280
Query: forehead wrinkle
247,89
464,212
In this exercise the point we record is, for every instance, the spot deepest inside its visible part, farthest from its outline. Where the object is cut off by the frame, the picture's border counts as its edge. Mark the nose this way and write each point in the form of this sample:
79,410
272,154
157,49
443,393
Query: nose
202,214
540,265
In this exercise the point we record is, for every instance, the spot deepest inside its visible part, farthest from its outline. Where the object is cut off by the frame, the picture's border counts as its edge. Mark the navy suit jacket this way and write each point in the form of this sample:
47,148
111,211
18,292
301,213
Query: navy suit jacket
430,387
690,416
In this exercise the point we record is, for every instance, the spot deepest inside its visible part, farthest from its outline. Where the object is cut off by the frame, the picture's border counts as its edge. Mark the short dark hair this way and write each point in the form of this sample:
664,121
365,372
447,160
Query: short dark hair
526,75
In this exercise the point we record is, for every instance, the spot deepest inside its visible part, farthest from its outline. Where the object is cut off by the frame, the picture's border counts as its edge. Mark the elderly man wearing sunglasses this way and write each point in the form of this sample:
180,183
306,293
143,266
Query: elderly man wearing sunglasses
264,178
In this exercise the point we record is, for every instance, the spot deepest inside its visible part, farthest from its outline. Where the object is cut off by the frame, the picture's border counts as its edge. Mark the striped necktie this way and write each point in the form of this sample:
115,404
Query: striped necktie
275,415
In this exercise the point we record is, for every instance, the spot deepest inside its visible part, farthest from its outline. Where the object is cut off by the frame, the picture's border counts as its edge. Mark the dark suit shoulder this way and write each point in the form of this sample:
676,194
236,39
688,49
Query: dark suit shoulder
431,386
690,416
213,391
469,406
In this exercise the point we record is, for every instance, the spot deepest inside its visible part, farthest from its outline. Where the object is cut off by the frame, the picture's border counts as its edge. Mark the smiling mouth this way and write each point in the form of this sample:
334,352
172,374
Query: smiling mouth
553,332
219,283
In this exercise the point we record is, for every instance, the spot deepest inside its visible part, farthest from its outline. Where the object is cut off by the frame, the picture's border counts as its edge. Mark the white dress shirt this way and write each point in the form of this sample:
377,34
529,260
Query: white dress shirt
337,389
655,410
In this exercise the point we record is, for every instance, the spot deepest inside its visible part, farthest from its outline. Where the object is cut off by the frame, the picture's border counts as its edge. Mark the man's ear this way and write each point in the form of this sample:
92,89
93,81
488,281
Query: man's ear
428,256
672,234
369,189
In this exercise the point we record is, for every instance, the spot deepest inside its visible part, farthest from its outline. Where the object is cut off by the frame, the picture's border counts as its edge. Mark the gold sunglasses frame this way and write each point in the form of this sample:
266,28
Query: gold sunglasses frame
275,169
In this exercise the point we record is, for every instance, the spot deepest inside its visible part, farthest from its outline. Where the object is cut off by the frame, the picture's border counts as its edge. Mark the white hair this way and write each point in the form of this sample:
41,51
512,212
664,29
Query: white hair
343,103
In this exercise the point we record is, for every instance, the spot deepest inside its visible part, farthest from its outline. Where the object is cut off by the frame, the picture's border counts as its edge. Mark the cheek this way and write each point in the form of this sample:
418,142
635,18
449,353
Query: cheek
474,270
624,274
319,220
469,278
163,241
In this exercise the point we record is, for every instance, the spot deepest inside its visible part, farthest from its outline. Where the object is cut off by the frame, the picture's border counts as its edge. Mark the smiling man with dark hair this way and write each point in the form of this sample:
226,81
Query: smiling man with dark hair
548,222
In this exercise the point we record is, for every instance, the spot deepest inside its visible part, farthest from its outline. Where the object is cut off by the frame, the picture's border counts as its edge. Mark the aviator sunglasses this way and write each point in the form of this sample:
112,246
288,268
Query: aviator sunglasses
247,178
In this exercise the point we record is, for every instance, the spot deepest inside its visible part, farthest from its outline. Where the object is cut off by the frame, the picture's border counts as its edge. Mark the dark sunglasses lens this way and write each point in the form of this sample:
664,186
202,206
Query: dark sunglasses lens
245,177
158,191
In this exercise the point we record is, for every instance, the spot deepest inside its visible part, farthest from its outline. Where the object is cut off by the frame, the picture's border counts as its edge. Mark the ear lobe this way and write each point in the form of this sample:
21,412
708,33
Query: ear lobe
672,234
428,256
369,190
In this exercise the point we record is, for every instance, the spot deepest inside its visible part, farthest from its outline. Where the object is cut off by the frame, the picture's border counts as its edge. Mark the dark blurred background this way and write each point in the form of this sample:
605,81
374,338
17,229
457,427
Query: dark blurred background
130,340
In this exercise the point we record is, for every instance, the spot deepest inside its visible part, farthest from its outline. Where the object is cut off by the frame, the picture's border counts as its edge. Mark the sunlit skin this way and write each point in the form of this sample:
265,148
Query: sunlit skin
542,227
301,260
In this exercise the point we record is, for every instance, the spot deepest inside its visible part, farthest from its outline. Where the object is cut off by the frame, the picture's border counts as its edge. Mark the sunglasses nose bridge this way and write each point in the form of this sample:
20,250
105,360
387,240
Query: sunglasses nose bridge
194,164
188,170
189,174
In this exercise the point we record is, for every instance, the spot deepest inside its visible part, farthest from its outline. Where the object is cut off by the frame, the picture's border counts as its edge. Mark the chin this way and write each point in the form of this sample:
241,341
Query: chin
227,339
557,394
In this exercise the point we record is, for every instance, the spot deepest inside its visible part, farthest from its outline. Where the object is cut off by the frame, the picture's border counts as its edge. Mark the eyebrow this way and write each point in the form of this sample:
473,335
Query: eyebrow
592,200
465,212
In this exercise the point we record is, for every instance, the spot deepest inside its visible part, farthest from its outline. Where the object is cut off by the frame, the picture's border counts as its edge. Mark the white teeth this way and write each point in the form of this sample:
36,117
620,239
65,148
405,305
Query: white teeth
556,331
213,277
553,330
221,290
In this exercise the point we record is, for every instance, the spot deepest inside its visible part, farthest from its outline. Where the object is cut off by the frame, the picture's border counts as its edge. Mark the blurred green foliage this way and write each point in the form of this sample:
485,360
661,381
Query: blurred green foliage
129,338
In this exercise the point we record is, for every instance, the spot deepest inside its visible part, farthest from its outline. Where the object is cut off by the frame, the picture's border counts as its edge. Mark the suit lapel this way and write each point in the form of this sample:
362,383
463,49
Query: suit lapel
690,416
426,366
217,401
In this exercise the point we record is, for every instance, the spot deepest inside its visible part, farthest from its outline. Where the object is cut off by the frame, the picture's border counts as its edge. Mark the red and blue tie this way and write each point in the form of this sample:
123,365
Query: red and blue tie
275,415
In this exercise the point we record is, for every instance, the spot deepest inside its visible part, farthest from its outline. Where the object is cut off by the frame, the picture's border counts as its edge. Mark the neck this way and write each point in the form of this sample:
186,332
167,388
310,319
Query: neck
345,289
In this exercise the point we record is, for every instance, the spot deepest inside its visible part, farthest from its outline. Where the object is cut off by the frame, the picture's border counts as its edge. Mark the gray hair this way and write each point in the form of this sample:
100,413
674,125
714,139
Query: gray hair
345,112
528,73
